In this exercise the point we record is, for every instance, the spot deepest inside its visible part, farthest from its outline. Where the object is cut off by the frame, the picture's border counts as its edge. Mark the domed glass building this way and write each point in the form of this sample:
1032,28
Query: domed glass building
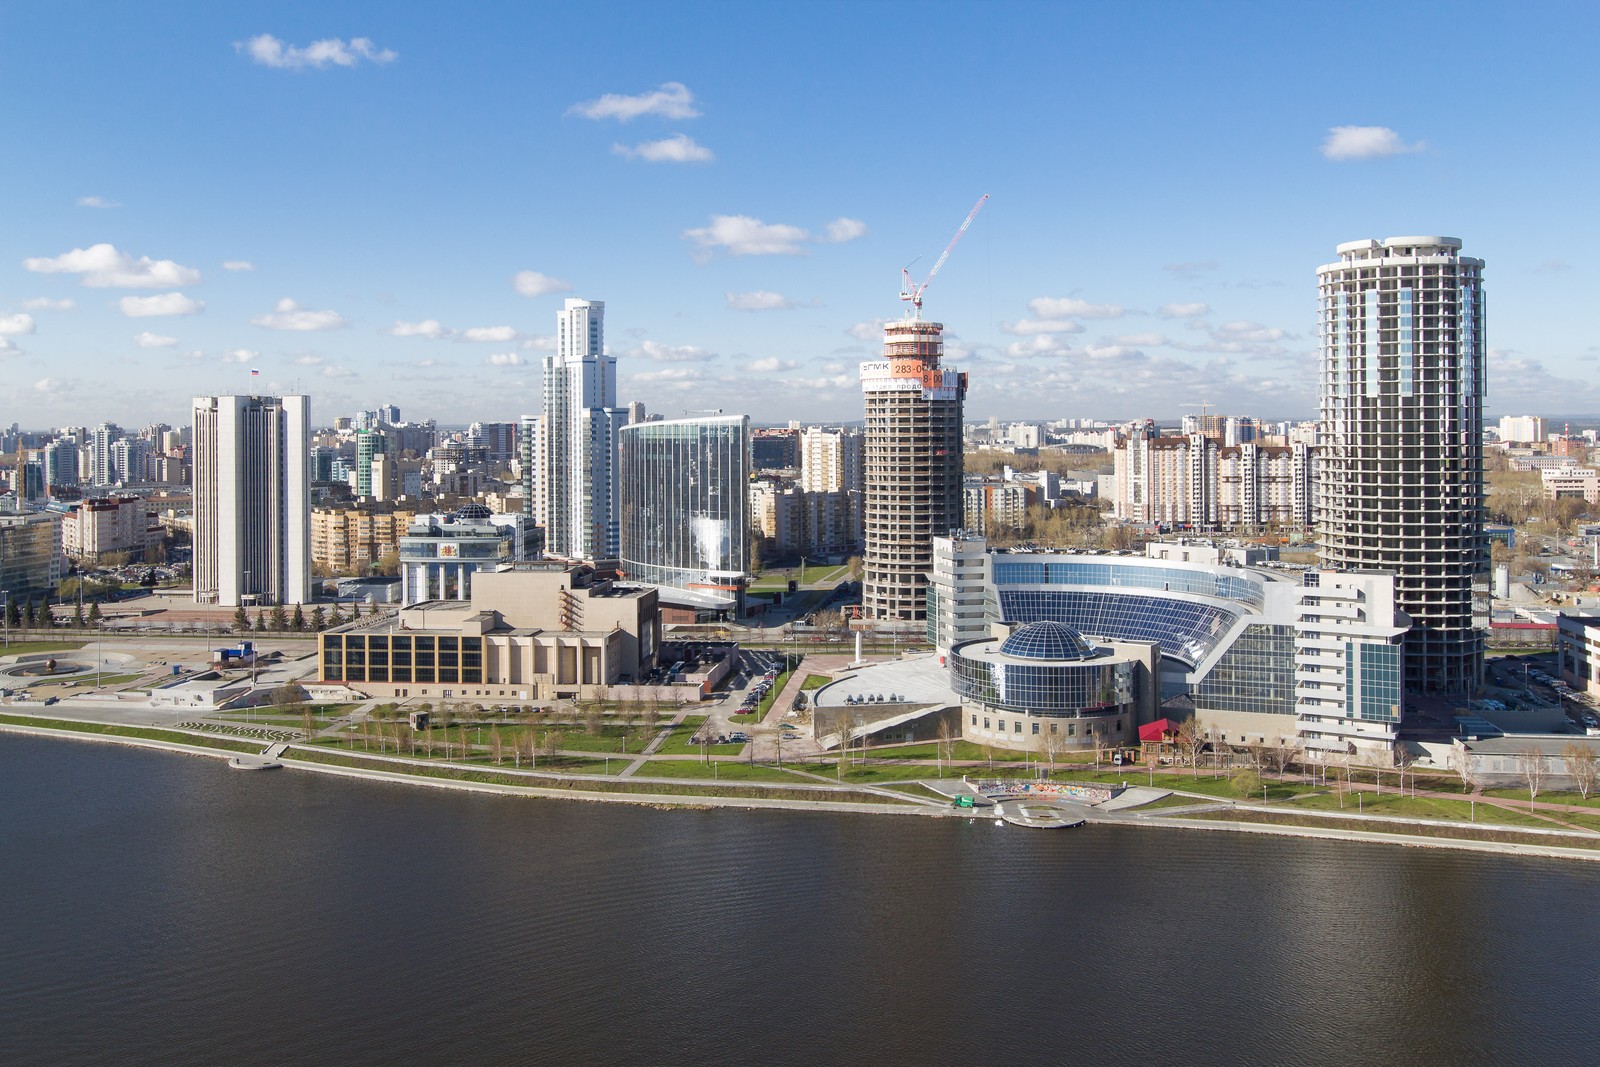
1046,678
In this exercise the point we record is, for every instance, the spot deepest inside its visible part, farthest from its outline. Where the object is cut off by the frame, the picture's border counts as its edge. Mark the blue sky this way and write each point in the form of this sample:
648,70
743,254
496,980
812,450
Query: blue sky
345,196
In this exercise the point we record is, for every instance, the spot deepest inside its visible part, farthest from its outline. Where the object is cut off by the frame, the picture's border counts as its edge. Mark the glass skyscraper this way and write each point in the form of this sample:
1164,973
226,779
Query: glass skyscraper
1400,477
685,512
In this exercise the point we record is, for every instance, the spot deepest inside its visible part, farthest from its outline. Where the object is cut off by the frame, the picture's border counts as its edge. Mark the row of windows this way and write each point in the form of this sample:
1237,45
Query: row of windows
1045,689
1255,675
402,658
1185,630
1167,579
1055,727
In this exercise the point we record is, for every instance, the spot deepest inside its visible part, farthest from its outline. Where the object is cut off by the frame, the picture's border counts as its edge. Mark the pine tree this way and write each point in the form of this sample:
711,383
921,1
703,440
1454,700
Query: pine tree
298,621
280,620
13,612
94,613
28,616
241,621
47,618
261,621
335,617
77,616
319,618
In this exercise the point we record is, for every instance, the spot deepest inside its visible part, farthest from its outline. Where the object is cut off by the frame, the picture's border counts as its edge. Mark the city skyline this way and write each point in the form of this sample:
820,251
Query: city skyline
325,198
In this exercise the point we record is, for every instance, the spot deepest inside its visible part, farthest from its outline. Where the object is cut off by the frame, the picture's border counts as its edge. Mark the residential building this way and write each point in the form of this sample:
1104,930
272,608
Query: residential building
349,540
581,422
252,500
93,529
1400,484
830,462
1522,429
1197,482
684,487
911,466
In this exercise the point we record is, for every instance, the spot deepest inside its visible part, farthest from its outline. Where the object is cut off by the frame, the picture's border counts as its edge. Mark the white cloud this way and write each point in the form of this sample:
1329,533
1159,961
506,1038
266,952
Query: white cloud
103,267
869,331
1366,142
44,303
672,353
238,264
97,201
47,385
1141,340
672,101
291,316
840,230
146,339
1041,344
1066,307
1183,311
741,235
147,307
762,366
307,359
542,343
1248,331
338,372
759,300
240,355
490,333
432,329
532,283
670,374
504,359
269,51
1028,327
16,324
679,148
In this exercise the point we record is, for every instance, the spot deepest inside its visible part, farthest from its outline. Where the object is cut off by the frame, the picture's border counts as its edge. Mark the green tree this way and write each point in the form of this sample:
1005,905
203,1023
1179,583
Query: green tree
335,617
13,612
28,615
261,621
280,619
77,616
298,621
94,613
47,617
319,618
241,621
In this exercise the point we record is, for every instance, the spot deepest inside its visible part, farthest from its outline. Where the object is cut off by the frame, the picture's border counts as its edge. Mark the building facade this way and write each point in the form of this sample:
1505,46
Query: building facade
252,500
1400,481
91,529
581,422
351,539
911,466
685,493
441,554
1197,482
31,563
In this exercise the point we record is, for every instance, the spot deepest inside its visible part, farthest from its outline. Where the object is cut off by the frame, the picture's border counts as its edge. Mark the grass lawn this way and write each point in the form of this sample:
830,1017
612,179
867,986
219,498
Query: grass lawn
142,732
814,681
1214,787
1420,808
725,771
86,681
23,648
679,742
1462,831
1172,801
743,720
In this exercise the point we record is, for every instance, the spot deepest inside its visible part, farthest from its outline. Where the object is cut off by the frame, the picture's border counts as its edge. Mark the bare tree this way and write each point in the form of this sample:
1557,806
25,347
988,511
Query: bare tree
1530,764
1583,767
593,718
942,747
1403,758
497,745
1190,740
1279,757
1050,744
552,746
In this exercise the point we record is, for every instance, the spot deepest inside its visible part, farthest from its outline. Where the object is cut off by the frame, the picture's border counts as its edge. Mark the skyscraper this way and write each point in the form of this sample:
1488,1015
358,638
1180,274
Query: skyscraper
252,500
911,466
581,421
1400,481
685,502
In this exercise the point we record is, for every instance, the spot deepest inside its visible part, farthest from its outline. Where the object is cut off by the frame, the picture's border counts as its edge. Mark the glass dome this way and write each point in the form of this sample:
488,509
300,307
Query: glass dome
473,513
1047,641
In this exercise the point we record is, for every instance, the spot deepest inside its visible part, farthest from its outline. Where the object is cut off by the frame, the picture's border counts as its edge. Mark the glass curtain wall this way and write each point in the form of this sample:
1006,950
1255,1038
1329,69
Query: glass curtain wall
685,500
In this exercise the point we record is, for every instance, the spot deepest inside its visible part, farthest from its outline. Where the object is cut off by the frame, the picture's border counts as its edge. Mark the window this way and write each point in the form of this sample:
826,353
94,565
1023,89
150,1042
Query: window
1035,728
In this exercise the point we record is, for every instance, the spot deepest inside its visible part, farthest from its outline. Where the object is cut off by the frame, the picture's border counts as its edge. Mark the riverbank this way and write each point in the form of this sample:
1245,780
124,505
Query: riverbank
818,796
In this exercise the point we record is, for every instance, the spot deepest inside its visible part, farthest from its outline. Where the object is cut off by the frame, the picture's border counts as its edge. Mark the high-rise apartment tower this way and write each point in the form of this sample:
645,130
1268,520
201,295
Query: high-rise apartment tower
581,421
1400,479
252,500
911,466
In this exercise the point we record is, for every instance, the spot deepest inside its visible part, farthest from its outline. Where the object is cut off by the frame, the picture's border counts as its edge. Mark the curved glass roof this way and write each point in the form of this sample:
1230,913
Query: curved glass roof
473,512
1048,641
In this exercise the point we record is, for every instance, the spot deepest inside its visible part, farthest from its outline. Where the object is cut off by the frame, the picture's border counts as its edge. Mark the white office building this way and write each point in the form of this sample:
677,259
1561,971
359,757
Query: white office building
252,500
581,422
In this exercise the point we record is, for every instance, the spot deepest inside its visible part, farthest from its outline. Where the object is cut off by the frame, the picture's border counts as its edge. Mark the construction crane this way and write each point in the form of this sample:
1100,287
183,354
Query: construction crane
913,293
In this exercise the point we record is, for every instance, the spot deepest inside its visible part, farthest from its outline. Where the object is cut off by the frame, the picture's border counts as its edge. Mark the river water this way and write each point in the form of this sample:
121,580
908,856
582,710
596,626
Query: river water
160,909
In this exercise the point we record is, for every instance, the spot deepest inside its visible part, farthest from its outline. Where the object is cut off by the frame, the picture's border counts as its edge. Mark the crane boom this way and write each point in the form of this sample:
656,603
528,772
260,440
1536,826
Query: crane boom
913,293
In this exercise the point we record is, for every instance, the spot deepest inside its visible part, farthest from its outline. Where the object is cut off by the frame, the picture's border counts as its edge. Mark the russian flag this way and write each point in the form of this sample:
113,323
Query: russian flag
254,373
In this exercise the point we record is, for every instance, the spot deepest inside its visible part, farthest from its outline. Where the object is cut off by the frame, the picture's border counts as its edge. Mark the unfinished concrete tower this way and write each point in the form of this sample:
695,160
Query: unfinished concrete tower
911,466
1400,478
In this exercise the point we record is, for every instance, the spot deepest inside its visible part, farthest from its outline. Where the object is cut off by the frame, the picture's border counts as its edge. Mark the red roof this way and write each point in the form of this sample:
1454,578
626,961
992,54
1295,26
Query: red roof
1156,731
